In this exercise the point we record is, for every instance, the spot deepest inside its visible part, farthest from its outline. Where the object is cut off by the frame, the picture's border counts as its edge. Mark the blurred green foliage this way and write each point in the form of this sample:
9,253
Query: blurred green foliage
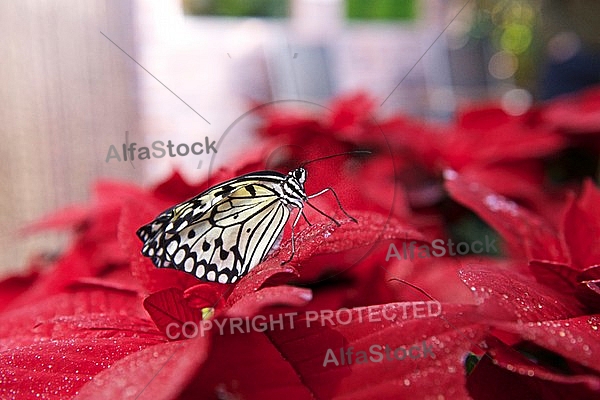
356,9
510,26
237,8
381,9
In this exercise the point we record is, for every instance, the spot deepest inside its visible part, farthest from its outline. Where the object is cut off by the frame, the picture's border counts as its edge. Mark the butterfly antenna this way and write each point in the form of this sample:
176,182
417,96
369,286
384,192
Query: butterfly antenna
414,287
335,155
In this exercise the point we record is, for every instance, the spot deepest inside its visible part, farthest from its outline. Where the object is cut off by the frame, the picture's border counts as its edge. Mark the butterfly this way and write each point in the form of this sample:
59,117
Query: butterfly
225,231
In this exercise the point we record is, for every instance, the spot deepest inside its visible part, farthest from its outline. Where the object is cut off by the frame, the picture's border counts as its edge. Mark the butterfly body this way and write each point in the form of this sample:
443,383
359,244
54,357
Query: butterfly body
220,234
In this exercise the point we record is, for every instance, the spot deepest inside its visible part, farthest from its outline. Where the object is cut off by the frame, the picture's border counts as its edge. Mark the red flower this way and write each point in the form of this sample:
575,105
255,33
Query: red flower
576,113
102,322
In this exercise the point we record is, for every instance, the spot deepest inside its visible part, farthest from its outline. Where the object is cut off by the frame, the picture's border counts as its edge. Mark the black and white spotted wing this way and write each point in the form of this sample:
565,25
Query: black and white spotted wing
219,235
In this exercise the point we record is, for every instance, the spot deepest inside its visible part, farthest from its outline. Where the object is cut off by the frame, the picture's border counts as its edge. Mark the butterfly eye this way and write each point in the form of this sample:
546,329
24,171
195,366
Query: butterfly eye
300,175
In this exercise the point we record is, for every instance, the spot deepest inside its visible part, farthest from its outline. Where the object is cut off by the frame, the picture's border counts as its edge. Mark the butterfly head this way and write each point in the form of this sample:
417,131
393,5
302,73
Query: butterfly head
299,174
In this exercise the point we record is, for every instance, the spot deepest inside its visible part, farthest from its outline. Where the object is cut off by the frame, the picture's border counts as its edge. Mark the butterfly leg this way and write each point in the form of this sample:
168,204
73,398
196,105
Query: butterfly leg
306,219
292,236
336,199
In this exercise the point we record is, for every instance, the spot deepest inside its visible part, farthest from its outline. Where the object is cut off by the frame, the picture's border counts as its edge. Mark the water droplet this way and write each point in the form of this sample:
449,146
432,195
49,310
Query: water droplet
450,174
500,203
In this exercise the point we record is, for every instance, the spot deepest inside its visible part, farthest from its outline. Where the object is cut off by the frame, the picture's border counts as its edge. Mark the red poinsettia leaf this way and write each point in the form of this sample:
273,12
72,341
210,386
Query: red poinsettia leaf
103,283
286,122
207,294
582,227
78,261
515,361
371,228
414,142
589,274
255,369
438,276
575,113
29,323
322,238
521,181
87,326
267,271
108,198
175,188
482,135
559,276
326,238
169,306
351,116
252,303
57,369
588,288
298,355
526,233
508,295
14,286
159,372
588,293
110,191
72,217
495,382
575,338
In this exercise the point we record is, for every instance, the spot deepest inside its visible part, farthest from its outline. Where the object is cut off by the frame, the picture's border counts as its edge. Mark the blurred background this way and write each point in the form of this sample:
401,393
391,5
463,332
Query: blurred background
71,88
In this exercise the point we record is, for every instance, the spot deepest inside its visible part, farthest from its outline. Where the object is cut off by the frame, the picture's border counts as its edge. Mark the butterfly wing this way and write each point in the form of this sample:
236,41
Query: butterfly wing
221,234
177,217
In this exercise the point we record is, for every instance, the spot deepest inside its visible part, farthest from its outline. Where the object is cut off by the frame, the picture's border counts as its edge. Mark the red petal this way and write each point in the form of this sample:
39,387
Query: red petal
351,117
514,361
321,238
526,233
483,134
40,321
268,272
505,294
169,306
520,181
588,288
298,356
207,294
252,303
14,286
559,276
58,369
578,113
157,372
574,338
490,381
329,238
68,218
582,227
175,189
